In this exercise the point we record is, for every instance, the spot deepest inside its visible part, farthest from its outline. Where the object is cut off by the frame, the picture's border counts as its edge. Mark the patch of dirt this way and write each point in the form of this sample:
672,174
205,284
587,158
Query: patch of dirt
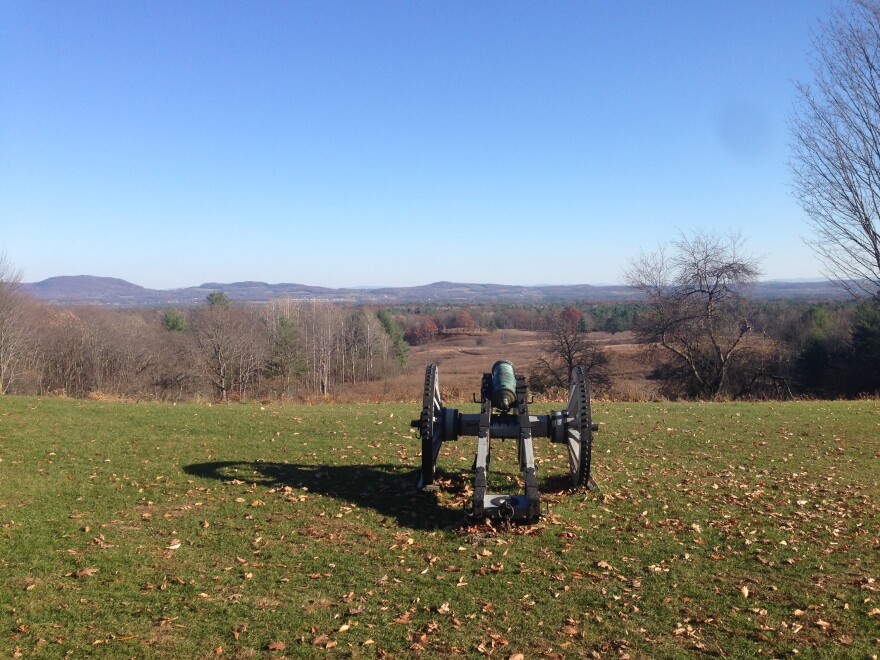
462,359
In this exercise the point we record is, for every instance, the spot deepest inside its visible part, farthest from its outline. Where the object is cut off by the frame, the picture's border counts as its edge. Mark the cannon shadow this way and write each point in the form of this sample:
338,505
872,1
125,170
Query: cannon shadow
387,489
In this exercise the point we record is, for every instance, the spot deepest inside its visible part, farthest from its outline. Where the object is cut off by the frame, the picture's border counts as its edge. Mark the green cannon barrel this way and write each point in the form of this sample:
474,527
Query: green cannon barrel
503,385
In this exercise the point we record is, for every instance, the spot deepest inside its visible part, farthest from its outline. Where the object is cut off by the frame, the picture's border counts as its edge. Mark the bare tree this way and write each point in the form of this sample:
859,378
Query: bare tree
565,346
233,346
63,338
285,361
836,147
178,365
13,331
695,309
321,325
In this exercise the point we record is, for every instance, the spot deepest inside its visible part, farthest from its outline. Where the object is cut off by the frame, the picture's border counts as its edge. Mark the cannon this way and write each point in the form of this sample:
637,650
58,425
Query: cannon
504,415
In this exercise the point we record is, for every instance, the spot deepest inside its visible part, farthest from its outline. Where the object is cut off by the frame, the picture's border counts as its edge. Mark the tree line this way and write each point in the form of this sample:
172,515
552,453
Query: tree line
219,350
707,338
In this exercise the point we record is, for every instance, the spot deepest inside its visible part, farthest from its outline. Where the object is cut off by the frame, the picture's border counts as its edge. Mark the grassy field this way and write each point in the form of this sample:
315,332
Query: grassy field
733,530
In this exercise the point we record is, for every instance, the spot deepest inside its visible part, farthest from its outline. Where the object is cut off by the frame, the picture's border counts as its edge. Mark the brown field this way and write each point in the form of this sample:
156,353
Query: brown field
463,358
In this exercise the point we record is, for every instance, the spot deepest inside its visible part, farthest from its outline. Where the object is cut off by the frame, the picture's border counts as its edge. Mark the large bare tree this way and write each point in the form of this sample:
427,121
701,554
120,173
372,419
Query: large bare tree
836,147
695,309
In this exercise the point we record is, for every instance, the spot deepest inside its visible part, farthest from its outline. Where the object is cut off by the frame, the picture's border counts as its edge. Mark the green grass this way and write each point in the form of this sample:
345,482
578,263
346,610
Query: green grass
737,530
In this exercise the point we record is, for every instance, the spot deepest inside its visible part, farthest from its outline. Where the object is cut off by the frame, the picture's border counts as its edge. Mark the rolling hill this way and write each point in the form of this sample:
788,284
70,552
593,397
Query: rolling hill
88,289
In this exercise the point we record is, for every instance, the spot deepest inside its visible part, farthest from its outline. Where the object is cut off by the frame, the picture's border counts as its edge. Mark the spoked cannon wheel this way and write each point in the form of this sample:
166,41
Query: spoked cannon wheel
431,425
579,436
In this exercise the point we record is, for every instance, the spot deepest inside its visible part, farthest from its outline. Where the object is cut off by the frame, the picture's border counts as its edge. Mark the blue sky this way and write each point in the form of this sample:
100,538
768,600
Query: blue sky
395,143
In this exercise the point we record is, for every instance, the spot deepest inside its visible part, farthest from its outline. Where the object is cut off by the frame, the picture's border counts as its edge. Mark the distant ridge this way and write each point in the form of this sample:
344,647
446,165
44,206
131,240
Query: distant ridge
88,289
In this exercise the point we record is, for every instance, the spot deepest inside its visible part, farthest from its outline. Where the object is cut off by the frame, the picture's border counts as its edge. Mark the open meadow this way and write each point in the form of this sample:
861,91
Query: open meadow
462,358
266,530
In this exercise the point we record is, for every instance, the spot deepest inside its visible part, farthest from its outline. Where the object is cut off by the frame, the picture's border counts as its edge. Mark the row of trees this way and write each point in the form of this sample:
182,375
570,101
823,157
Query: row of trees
707,337
220,350
424,324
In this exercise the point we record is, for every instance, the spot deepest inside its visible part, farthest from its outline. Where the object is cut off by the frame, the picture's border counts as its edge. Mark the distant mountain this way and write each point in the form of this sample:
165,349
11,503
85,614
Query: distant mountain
87,289
80,289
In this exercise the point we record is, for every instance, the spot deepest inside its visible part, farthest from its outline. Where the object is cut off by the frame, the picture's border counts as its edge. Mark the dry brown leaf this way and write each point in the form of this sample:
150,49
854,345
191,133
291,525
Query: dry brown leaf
404,618
276,646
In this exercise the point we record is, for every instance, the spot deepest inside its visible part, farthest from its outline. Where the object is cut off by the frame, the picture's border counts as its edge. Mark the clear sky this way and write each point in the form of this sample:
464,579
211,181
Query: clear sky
394,143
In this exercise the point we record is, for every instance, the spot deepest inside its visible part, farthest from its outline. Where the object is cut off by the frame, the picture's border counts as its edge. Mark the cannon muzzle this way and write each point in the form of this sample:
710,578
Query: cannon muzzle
503,385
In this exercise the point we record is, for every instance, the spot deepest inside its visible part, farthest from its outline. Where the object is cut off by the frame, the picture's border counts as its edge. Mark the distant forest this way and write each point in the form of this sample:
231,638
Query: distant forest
284,349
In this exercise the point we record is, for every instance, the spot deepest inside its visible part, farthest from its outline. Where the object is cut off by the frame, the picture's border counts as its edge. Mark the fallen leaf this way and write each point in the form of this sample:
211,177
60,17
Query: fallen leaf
276,646
404,618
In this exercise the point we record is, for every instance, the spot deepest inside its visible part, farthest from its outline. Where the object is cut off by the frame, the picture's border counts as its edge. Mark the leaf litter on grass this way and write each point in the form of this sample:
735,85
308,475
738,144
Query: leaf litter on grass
717,529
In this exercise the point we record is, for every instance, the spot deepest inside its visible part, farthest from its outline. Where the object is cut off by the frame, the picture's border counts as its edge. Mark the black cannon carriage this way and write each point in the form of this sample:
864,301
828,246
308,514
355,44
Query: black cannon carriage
504,415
